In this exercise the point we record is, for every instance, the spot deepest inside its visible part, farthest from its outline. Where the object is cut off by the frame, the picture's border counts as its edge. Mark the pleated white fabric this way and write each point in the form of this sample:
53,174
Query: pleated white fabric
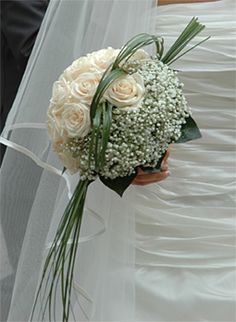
185,226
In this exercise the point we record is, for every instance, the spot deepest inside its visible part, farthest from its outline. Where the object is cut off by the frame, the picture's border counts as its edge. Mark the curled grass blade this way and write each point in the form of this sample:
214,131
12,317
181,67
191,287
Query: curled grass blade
106,126
110,76
185,52
135,43
58,256
93,148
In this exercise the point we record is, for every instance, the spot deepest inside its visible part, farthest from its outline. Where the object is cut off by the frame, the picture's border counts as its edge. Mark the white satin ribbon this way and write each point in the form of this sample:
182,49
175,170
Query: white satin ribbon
16,126
30,154
37,160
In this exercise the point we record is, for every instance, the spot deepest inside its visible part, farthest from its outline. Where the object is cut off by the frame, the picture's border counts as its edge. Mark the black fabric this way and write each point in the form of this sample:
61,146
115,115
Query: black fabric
20,22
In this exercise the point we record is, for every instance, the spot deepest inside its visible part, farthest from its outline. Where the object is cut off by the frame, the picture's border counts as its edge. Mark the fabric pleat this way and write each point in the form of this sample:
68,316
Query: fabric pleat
185,226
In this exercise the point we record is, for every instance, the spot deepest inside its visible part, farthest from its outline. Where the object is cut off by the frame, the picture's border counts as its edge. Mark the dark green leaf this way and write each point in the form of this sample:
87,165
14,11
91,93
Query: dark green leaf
155,169
63,170
189,131
120,184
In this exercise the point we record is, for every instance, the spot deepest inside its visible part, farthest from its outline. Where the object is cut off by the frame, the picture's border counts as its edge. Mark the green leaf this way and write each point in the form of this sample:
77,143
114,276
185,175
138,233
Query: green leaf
189,131
190,31
108,78
97,131
63,170
119,184
160,47
131,46
135,43
155,169
94,144
191,48
100,134
106,126
60,261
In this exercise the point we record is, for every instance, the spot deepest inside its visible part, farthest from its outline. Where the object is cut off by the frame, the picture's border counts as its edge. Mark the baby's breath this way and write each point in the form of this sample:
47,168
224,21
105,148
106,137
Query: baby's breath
140,136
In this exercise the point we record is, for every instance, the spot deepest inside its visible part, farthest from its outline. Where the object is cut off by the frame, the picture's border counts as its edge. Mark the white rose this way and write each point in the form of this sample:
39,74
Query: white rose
71,163
126,91
60,92
84,87
76,120
53,133
140,54
103,58
55,121
56,132
78,67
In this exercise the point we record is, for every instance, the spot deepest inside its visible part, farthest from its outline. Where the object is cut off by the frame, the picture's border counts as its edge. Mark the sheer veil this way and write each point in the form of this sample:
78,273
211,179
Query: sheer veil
35,192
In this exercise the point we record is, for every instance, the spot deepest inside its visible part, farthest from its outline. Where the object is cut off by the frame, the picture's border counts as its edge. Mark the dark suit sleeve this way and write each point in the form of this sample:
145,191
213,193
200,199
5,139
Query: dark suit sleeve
20,22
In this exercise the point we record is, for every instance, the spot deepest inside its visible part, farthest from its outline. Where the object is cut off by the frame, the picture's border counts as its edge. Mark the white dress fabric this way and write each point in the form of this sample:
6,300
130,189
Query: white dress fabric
185,226
165,252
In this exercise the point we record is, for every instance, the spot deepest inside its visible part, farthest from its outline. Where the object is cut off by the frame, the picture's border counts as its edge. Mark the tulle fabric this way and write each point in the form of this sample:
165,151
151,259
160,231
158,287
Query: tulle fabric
35,196
182,265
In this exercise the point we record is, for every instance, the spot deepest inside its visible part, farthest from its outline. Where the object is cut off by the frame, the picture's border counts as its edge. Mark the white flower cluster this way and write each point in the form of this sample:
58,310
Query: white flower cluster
149,109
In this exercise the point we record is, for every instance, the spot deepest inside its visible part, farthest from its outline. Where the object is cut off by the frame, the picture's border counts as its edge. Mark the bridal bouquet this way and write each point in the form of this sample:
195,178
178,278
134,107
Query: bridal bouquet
111,112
